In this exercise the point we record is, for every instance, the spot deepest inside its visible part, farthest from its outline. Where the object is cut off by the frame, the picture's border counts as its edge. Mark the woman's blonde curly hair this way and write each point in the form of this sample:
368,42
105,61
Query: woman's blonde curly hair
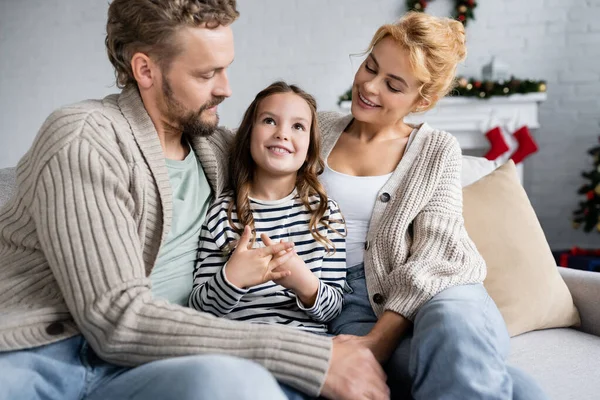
435,45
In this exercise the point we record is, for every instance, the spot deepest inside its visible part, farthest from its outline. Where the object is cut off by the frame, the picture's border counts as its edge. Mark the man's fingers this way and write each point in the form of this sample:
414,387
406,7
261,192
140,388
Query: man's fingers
379,393
376,386
343,338
244,239
378,369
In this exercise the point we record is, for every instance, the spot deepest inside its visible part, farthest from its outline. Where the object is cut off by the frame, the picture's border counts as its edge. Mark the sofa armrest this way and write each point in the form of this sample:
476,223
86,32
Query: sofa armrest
585,289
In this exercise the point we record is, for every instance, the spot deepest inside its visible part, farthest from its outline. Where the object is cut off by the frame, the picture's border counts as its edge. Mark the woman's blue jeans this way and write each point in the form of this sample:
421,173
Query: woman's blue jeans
457,348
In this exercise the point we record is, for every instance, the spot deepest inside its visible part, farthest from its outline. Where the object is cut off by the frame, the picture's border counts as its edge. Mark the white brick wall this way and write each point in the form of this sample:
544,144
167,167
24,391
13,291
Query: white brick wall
309,42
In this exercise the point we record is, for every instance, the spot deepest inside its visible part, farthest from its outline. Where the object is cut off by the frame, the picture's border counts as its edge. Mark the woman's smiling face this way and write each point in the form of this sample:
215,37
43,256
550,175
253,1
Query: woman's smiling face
385,89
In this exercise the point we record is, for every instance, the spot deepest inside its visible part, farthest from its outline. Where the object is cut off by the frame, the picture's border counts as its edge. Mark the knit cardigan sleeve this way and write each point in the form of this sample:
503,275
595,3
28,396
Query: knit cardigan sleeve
83,211
441,255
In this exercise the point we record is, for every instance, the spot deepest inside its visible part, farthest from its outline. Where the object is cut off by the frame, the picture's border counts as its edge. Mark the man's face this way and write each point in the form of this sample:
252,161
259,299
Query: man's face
196,80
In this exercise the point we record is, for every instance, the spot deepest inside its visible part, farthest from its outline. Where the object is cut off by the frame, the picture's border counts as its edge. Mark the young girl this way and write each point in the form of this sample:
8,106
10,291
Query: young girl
276,196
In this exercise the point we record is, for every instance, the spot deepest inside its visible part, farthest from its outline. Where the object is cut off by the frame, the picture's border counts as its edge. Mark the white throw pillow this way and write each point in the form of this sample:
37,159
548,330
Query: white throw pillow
475,168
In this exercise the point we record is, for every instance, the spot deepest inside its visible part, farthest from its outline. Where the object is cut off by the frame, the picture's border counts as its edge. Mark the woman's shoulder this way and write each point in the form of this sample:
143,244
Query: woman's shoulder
328,120
440,142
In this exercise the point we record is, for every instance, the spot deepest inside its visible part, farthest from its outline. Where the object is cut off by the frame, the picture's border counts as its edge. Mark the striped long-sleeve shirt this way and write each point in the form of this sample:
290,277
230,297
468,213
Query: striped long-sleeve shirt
286,219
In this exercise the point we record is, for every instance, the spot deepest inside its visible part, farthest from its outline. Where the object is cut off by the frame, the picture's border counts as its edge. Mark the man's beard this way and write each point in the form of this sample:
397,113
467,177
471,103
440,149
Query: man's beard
189,121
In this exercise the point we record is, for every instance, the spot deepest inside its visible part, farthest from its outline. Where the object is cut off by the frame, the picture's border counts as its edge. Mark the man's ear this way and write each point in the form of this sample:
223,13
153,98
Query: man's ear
145,71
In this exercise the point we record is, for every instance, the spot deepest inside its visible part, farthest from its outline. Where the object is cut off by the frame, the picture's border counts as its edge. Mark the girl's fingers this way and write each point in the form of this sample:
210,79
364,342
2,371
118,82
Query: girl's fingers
266,239
282,252
275,248
279,261
244,240
279,275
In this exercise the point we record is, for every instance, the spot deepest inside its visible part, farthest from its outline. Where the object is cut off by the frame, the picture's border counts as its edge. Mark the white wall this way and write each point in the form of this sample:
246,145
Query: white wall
52,53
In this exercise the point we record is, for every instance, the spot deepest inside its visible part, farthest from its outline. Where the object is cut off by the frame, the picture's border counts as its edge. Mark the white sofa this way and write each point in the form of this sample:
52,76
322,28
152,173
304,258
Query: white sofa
566,362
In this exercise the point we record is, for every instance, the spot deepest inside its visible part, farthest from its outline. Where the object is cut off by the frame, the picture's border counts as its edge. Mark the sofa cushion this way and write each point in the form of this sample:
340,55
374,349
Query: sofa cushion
7,184
475,168
563,361
522,276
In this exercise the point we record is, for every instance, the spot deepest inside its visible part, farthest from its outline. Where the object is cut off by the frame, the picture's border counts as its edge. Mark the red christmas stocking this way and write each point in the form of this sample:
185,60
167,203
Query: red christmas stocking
527,145
498,144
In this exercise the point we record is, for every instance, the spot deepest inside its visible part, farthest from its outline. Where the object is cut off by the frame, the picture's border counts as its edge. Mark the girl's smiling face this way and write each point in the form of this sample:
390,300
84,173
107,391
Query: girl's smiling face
280,137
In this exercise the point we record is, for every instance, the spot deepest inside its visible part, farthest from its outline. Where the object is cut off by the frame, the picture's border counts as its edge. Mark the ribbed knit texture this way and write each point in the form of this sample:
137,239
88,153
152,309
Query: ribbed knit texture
80,238
417,242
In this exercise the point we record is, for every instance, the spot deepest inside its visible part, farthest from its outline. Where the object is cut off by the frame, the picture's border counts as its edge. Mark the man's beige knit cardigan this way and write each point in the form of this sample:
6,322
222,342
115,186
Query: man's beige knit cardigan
80,238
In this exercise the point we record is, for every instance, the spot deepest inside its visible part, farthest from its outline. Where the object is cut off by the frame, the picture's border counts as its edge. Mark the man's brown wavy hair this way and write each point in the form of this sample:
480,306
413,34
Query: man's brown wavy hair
149,27
242,168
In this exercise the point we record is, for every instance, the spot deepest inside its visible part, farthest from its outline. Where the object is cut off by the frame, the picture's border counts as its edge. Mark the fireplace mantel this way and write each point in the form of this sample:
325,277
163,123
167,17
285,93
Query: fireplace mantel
469,118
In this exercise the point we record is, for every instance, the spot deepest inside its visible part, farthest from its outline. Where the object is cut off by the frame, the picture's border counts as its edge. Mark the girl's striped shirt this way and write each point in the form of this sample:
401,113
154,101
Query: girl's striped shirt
286,219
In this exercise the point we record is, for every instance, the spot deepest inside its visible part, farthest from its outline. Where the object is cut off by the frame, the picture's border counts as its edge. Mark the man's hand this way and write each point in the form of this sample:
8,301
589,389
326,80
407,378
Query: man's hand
354,374
384,336
251,267
379,350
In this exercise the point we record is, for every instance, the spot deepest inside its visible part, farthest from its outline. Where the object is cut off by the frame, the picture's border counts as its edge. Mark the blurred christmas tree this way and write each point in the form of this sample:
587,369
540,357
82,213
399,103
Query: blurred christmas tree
588,213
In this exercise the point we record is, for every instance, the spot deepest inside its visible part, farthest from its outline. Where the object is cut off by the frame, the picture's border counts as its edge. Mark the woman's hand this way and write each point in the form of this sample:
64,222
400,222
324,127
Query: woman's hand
250,267
300,279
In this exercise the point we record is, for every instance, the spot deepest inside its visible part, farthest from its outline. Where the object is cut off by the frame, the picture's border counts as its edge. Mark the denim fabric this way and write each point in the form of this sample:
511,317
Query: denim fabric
457,348
70,369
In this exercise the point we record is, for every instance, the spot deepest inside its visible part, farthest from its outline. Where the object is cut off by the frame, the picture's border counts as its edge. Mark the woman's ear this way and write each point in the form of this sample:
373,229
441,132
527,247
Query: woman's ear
423,104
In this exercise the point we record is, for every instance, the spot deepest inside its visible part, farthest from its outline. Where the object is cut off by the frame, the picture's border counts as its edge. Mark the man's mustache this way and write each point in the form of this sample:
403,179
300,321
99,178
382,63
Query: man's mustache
214,102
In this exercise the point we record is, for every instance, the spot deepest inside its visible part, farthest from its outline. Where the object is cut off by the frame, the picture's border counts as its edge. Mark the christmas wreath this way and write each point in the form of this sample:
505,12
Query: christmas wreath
463,10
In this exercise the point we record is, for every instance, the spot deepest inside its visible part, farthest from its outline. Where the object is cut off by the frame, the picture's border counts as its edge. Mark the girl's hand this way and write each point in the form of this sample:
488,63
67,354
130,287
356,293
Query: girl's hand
301,280
250,267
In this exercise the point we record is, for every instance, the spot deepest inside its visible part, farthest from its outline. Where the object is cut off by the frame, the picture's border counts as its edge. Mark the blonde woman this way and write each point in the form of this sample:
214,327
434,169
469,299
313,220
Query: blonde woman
414,292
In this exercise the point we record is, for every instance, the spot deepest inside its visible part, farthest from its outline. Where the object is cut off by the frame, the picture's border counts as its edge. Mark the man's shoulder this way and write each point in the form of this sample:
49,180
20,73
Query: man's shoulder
222,136
90,122
70,122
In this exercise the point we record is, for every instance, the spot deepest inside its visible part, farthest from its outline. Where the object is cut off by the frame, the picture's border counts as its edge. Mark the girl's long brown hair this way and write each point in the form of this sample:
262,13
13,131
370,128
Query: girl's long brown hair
242,168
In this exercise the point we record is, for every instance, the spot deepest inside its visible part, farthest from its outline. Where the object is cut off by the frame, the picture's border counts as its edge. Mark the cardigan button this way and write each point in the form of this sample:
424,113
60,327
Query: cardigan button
55,329
378,298
385,197
367,245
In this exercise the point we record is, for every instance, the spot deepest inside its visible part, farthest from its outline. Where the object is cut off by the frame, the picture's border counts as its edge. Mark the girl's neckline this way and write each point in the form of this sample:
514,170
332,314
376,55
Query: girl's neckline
274,202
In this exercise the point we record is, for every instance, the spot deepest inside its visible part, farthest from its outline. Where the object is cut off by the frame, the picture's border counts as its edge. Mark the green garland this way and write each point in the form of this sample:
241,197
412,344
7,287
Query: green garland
484,89
463,9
